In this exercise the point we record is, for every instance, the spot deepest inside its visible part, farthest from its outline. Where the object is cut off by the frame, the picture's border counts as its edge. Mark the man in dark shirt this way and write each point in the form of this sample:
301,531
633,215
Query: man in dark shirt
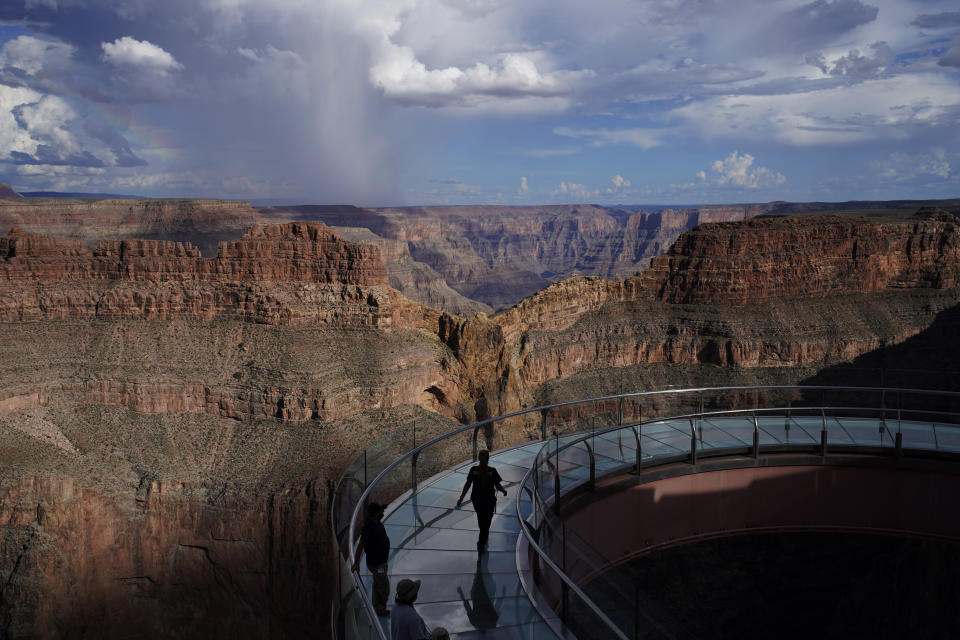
375,541
485,482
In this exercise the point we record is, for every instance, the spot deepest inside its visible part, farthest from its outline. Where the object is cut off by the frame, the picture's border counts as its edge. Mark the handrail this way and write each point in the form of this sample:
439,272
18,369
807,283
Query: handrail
732,412
414,453
563,576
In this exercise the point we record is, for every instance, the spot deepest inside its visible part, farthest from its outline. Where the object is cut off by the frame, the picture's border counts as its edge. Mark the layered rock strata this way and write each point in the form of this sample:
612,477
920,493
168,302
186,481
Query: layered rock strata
741,264
498,255
167,420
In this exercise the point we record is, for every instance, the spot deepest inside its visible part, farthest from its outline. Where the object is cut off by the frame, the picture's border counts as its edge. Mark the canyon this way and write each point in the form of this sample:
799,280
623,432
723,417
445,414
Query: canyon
172,418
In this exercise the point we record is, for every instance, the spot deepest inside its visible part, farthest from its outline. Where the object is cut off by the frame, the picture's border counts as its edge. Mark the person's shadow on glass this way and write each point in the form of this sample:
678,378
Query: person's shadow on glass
480,610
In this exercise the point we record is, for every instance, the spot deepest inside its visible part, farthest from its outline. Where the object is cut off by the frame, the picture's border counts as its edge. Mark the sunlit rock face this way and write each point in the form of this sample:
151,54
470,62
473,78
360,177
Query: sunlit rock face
741,264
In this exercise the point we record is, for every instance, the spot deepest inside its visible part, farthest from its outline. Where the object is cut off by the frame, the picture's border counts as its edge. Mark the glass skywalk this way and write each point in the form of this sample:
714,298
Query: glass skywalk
484,596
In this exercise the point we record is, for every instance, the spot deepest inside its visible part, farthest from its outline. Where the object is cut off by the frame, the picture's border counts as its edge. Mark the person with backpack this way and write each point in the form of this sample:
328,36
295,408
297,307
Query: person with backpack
485,482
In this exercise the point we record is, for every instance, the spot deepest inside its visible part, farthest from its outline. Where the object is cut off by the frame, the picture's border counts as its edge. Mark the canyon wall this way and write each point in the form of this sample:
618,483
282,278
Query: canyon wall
498,254
203,222
168,421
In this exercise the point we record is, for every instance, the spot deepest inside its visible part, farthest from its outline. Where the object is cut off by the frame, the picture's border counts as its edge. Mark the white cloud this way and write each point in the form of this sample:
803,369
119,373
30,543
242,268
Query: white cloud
13,137
854,65
872,110
44,120
642,138
736,170
31,55
900,167
131,53
573,190
619,181
524,188
401,76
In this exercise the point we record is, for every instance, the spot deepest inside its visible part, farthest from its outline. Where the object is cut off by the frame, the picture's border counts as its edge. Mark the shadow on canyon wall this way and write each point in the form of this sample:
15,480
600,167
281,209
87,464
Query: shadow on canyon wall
928,360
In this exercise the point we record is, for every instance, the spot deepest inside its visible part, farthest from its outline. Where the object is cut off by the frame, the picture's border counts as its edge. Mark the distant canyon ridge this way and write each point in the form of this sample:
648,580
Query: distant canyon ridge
460,259
180,380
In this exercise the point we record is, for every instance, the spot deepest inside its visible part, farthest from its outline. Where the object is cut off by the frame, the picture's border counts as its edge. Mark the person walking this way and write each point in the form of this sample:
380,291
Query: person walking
375,541
485,482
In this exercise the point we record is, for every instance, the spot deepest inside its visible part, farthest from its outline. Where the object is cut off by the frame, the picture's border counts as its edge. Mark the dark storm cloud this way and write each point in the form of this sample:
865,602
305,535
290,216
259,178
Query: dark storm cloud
279,90
943,20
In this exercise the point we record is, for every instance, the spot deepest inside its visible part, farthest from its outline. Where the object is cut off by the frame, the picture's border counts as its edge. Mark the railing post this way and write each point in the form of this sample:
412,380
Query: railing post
898,445
756,436
700,416
564,589
620,412
543,425
693,443
636,436
413,472
786,421
556,478
476,430
823,433
364,468
593,465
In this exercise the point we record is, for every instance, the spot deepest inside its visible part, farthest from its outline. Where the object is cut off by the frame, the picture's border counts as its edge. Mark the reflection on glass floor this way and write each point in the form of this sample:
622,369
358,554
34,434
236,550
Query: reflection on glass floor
481,596
471,595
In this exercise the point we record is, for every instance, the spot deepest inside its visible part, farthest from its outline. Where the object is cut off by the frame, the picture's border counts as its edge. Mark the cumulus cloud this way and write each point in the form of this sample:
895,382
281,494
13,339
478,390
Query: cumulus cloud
14,138
524,188
131,53
619,181
573,190
854,65
901,167
31,55
736,170
401,76
642,138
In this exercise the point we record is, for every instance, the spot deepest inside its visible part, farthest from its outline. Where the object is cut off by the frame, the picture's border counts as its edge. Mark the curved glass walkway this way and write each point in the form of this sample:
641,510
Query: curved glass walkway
484,596
471,595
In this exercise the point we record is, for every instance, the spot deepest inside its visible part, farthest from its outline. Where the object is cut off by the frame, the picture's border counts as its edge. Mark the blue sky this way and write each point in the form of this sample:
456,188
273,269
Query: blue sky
406,102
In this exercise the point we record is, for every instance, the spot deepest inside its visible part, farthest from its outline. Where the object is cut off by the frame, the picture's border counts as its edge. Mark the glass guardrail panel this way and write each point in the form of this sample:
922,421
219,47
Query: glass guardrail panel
946,437
447,455
581,416
356,622
508,432
630,409
393,484
725,431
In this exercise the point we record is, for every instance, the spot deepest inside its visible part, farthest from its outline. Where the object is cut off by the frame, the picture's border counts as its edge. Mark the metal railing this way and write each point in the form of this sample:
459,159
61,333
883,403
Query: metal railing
575,563
395,465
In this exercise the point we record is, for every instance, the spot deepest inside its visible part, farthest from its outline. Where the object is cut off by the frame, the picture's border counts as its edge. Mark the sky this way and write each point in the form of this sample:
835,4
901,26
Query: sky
419,102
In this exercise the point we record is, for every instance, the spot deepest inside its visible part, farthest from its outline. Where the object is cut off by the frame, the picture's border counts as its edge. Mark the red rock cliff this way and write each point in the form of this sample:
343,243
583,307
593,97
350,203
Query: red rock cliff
765,259
293,252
